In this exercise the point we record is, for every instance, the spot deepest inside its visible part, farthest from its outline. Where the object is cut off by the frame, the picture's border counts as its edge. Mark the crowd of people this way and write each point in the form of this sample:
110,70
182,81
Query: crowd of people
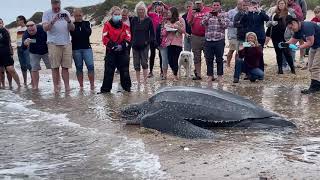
62,37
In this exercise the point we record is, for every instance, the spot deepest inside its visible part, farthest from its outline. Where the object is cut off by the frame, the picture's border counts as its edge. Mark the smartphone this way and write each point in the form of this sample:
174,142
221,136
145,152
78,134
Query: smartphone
33,41
246,44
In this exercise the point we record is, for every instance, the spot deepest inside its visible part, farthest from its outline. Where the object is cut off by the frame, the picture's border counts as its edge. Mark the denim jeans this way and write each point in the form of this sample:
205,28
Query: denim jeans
164,55
187,43
241,66
85,55
24,59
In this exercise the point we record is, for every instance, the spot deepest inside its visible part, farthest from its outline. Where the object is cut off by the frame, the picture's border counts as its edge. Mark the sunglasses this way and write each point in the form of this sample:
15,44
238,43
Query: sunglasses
30,25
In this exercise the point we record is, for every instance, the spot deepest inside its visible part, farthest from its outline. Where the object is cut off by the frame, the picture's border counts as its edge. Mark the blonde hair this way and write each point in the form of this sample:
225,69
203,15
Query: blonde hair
256,43
140,4
114,9
316,10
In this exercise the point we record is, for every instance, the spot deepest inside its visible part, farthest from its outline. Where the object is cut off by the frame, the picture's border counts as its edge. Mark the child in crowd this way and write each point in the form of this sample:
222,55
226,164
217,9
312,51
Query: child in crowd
250,54
316,19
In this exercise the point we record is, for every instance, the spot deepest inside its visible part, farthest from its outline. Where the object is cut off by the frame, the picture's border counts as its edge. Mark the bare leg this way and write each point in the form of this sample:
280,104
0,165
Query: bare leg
35,79
14,75
229,57
56,79
145,75
2,76
65,77
91,80
9,77
165,71
138,76
80,80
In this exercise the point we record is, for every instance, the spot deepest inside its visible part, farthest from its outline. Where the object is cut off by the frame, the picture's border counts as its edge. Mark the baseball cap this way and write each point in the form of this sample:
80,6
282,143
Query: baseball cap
198,2
55,1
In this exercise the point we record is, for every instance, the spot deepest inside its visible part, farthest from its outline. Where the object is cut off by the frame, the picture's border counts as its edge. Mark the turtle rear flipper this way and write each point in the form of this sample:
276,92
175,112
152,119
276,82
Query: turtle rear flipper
167,121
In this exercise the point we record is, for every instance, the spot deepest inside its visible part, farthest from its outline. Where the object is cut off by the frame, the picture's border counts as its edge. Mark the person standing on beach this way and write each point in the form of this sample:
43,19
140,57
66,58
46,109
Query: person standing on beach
232,32
156,17
309,32
215,23
187,35
81,47
35,39
6,54
56,22
116,37
23,54
3,71
194,18
142,36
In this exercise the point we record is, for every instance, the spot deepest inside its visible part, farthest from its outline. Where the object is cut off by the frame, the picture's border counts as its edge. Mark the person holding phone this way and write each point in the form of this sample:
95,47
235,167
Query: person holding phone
56,22
35,39
194,18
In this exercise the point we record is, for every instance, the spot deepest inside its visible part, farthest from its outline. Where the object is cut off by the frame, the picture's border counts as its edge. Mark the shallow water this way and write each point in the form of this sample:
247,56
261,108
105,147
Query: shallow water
80,136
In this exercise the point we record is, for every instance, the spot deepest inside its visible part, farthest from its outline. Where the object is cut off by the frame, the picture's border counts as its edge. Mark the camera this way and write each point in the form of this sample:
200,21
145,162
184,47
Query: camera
63,15
157,3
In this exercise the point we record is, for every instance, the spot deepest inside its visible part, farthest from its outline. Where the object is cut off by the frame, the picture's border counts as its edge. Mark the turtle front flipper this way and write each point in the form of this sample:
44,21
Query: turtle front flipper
171,122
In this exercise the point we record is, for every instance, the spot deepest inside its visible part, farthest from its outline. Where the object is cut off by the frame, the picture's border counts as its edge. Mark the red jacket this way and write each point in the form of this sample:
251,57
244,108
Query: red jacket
116,35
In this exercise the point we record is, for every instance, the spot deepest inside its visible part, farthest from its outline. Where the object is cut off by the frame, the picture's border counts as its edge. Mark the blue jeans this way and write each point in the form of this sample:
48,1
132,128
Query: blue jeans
24,59
85,55
254,74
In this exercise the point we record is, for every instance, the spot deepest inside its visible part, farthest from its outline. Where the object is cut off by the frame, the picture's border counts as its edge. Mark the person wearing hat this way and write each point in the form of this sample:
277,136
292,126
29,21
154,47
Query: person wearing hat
309,32
56,22
194,18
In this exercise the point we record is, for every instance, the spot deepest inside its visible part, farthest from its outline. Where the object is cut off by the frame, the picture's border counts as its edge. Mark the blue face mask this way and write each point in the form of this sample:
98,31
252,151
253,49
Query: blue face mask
116,18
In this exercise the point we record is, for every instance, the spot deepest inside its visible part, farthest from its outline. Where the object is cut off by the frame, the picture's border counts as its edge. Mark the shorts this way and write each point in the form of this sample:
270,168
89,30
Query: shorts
24,59
140,58
6,60
233,44
60,55
35,61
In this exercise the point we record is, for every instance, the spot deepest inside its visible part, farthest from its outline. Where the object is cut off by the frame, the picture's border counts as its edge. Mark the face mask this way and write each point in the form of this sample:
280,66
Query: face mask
116,19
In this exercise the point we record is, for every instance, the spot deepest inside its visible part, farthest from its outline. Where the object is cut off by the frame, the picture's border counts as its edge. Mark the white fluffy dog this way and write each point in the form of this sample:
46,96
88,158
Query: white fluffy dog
186,61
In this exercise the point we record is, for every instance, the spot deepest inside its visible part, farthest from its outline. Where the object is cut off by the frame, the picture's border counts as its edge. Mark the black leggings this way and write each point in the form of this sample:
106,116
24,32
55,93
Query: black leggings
153,56
113,60
280,52
174,52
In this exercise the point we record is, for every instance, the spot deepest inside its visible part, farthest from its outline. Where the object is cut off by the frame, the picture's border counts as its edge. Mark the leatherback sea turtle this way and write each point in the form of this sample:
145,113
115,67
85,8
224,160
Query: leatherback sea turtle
188,111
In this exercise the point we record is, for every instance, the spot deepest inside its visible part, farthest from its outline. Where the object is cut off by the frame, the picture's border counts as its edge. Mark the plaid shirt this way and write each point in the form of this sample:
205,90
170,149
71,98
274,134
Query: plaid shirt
216,26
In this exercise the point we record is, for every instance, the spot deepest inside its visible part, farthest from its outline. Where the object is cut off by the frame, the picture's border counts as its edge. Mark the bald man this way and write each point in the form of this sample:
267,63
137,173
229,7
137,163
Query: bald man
81,48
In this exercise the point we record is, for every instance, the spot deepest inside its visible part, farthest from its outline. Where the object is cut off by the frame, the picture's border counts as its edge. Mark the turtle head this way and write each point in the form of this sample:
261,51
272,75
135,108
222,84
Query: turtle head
131,112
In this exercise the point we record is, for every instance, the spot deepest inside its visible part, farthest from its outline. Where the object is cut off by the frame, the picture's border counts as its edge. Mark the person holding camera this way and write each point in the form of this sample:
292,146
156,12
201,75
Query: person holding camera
35,39
116,37
194,18
56,22
215,23
156,17
254,20
250,53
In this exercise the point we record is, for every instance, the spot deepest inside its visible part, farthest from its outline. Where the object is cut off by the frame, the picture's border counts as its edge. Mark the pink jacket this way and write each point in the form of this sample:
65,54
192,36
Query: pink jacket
173,38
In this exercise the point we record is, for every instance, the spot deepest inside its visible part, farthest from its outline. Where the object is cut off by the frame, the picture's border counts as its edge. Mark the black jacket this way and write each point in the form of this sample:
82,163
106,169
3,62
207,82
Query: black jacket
81,35
5,43
142,32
